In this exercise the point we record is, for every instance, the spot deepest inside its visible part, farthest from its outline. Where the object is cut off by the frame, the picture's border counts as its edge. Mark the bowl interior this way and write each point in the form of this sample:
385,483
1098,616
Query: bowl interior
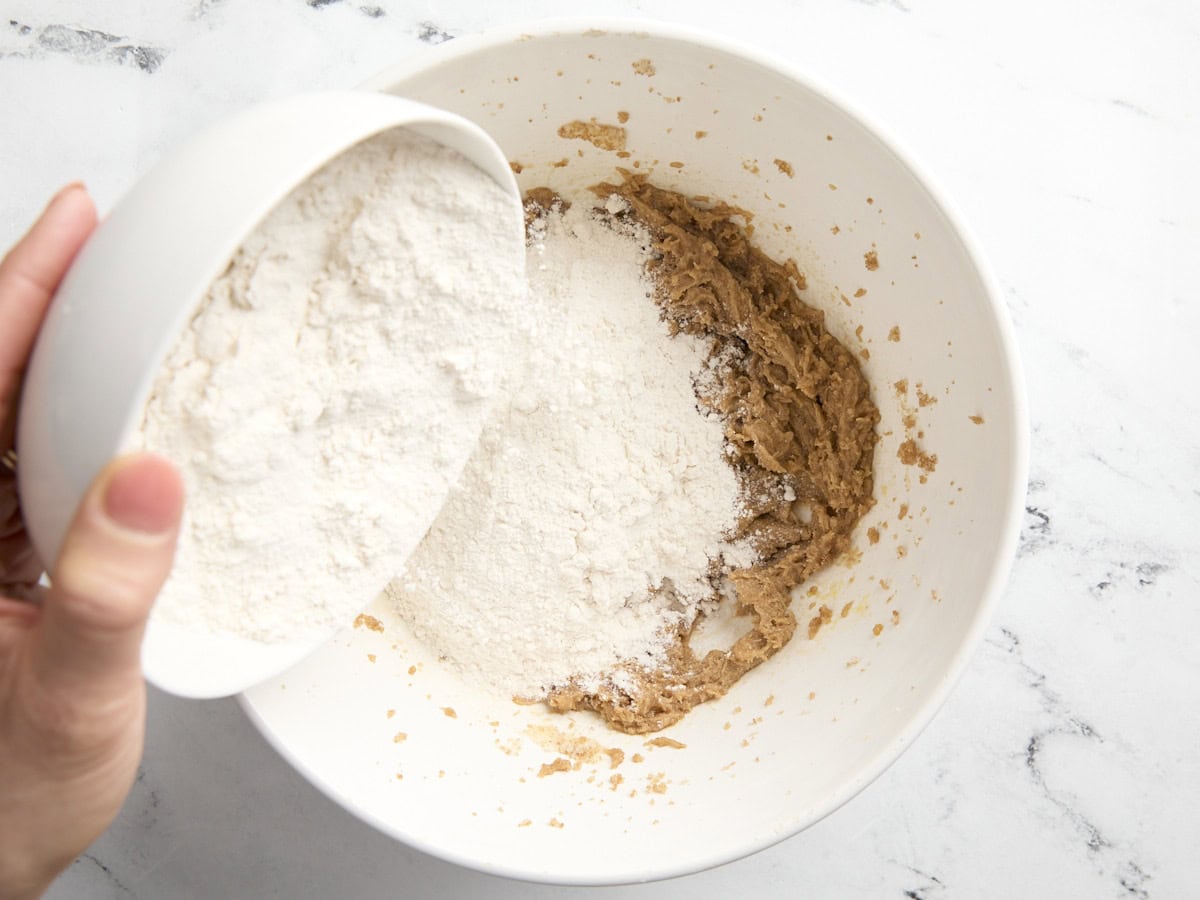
376,722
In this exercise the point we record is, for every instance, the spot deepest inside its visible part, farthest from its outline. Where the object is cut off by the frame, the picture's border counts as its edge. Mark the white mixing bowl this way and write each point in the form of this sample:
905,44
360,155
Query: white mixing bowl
378,724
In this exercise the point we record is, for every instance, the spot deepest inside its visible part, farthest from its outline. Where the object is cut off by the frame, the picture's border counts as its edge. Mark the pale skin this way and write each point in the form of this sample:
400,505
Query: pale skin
72,698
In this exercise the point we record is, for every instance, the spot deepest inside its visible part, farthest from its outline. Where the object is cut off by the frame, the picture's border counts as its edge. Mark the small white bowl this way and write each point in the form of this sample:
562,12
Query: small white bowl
377,723
132,289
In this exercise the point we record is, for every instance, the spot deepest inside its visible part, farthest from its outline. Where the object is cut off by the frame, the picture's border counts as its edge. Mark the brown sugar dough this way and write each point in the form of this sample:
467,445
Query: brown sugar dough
800,427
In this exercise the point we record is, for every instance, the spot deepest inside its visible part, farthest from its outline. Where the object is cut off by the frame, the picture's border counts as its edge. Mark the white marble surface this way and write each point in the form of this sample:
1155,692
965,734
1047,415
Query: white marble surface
1066,763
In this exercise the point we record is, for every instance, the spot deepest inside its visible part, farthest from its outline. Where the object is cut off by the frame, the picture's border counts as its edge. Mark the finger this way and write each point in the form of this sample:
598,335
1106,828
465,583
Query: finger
29,276
115,558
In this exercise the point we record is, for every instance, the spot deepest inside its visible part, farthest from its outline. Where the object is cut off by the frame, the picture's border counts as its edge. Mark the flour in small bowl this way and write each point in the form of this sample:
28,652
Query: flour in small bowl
593,518
332,383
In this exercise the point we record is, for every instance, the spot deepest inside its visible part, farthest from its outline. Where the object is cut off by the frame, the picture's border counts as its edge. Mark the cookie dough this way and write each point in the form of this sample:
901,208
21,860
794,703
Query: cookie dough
801,428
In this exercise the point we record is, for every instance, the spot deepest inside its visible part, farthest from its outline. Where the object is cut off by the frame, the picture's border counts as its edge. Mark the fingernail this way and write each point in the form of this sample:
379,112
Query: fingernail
64,194
144,494
68,188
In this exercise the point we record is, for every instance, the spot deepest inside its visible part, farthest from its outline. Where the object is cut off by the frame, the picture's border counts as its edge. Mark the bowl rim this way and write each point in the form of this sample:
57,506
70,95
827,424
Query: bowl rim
1018,449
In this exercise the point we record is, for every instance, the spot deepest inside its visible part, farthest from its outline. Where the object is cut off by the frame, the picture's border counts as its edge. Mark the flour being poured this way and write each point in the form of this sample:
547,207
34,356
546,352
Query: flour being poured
377,333
592,519
332,384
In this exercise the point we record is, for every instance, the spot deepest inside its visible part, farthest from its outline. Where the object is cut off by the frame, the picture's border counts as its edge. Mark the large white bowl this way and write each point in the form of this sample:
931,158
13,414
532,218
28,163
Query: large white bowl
379,725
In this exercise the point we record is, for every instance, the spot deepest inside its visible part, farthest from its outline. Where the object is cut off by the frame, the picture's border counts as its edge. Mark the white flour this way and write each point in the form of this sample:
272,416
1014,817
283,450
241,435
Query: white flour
600,482
333,383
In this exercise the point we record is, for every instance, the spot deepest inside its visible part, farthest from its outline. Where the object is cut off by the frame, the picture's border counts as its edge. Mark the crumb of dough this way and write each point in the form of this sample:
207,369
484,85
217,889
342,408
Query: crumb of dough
554,823
873,535
539,201
643,67
599,135
797,411
622,116
665,742
978,420
400,737
701,135
894,334
449,713
785,167
877,630
577,748
559,765
871,258
525,823
901,387
369,622
912,455
516,167
559,164
823,617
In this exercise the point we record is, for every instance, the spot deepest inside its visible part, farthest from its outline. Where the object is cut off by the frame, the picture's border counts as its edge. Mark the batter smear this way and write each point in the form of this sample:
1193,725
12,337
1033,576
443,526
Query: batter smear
800,429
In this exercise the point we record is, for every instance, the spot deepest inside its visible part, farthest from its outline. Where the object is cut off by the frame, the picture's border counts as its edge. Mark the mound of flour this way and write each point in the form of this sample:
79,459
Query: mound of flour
599,485
332,384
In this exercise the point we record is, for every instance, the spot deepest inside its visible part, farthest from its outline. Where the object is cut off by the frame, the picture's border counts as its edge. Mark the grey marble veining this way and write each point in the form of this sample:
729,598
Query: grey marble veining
1065,763
85,45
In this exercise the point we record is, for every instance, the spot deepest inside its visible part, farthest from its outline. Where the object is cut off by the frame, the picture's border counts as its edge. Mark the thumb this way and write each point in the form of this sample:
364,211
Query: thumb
114,560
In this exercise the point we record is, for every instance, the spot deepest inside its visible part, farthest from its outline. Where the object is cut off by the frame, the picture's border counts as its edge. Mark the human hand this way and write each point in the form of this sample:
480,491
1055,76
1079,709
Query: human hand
72,699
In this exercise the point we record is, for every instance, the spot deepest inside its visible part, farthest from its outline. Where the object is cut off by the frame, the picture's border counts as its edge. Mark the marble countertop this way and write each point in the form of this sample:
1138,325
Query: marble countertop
1066,762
